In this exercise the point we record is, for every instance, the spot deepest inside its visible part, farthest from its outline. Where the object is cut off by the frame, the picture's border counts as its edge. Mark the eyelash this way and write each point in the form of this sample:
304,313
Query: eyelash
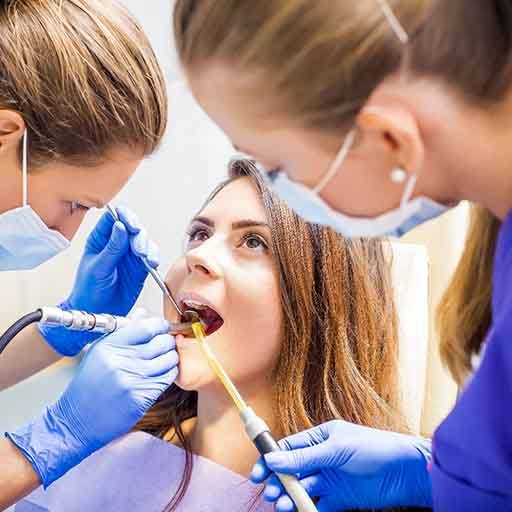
254,236
74,206
193,232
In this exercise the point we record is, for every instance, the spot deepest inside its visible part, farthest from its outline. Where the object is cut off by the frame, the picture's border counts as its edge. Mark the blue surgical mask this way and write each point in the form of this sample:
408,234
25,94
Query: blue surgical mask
25,240
309,205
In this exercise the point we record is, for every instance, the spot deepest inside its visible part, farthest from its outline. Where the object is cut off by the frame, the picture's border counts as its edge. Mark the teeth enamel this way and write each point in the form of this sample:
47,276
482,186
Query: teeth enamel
193,304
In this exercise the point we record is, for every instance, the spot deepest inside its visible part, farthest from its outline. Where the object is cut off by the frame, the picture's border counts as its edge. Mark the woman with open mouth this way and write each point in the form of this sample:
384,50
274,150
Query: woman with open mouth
304,323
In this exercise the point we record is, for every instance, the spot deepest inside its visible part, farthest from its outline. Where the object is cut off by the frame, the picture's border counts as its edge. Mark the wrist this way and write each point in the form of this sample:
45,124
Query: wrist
419,481
49,445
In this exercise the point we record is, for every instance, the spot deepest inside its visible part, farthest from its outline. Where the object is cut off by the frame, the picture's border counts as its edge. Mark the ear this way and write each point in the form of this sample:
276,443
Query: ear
398,130
12,127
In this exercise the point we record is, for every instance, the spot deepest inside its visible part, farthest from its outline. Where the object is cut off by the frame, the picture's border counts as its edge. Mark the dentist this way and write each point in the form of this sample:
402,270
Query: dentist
376,116
82,102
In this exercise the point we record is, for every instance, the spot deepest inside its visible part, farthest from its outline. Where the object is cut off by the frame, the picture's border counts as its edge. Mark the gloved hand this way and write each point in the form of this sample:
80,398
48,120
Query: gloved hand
120,377
110,276
350,467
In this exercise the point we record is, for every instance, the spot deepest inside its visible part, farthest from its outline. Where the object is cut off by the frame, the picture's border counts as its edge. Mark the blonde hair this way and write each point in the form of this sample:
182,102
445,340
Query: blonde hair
319,61
83,76
464,314
339,356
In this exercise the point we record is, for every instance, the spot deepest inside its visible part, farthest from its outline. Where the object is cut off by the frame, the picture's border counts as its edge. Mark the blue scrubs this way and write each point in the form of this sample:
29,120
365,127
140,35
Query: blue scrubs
472,468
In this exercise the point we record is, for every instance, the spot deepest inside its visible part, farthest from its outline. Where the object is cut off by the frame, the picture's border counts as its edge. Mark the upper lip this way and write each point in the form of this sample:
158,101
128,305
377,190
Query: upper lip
192,296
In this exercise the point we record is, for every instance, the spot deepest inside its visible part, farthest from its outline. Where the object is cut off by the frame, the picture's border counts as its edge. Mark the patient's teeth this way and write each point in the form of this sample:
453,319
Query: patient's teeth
193,304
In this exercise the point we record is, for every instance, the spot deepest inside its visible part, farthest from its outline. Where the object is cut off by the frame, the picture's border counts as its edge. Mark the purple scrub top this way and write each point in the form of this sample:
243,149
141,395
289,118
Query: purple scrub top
472,468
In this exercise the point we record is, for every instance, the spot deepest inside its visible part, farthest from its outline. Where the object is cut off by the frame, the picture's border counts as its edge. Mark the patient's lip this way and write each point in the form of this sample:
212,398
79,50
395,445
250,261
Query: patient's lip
192,296
211,319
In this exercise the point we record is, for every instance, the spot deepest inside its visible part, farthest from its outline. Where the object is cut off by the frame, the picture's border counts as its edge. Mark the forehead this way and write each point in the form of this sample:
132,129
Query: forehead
237,200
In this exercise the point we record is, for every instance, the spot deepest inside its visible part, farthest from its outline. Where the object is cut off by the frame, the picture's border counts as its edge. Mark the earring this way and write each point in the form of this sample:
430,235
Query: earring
398,175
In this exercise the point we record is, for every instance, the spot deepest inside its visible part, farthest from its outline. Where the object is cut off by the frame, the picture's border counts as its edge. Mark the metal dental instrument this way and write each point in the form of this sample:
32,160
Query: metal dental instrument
176,328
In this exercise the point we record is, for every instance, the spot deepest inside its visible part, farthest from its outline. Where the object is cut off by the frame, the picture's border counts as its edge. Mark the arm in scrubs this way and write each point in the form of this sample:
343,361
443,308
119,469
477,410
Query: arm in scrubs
473,446
120,377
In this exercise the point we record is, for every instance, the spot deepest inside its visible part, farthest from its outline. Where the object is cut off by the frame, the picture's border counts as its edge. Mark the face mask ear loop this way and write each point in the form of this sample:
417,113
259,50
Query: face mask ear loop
24,167
394,22
409,189
337,162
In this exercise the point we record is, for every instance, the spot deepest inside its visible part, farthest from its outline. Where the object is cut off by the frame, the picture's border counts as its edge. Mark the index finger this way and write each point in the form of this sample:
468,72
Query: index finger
138,332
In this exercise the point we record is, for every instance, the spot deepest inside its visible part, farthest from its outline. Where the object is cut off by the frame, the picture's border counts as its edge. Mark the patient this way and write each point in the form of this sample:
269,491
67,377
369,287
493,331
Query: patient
304,323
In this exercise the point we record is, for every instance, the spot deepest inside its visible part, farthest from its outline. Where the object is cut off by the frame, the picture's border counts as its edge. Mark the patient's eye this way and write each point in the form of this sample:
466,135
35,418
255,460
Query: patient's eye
255,242
197,234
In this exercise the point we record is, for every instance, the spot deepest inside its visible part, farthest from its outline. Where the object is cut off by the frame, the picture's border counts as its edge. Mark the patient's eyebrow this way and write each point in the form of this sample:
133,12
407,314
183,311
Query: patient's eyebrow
204,220
249,223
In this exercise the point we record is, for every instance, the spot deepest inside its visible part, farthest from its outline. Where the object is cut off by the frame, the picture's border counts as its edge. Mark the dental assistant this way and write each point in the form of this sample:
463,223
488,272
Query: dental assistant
82,102
378,116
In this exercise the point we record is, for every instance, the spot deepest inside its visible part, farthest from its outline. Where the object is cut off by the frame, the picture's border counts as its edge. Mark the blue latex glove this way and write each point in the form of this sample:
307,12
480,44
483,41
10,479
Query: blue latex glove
120,377
110,276
350,467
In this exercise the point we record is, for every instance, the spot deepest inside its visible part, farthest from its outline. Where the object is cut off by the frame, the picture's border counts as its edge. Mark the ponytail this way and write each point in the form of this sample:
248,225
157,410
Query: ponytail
464,313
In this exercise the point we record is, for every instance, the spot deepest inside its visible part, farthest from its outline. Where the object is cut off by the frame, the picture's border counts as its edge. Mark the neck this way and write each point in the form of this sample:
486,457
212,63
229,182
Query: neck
218,433
472,148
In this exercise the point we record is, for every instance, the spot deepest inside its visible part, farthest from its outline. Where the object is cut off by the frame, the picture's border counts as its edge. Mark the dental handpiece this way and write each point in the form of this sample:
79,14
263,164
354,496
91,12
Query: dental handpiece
75,320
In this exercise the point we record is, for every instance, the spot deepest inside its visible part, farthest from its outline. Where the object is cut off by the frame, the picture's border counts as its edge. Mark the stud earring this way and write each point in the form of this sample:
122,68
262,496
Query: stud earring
398,175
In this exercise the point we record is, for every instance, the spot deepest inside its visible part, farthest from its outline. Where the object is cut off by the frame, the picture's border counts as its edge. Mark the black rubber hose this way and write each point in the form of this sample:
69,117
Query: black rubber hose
18,326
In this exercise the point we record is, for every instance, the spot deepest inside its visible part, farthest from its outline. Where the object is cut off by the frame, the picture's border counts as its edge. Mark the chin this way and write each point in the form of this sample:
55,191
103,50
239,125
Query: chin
194,372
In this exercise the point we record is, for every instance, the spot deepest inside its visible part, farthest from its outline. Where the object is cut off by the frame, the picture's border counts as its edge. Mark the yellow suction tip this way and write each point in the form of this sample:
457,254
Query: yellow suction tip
216,366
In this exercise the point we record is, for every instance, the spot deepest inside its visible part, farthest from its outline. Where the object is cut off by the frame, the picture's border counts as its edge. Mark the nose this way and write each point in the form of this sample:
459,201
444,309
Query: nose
203,260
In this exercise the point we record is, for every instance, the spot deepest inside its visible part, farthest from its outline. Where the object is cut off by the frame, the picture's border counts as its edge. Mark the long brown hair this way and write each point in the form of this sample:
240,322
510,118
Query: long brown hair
83,76
320,61
464,314
340,341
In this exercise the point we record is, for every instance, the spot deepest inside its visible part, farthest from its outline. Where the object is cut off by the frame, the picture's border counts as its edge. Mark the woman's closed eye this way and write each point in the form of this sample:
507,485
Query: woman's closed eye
75,206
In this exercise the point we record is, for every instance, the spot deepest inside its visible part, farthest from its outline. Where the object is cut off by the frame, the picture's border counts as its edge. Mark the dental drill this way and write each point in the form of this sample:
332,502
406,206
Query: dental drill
75,320
72,319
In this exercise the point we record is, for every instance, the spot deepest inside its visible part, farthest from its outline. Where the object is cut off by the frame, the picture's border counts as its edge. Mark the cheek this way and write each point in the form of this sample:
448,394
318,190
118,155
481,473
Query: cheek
253,334
53,213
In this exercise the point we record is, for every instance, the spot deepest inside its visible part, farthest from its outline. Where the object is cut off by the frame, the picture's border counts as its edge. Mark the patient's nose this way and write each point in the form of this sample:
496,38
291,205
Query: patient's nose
201,262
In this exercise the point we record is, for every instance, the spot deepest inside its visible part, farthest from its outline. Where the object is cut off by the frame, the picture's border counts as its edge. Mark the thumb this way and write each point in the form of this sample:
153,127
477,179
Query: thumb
303,460
115,249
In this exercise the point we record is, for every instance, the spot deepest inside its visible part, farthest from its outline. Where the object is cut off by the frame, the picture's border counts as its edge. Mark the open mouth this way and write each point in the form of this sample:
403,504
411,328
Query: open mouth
210,319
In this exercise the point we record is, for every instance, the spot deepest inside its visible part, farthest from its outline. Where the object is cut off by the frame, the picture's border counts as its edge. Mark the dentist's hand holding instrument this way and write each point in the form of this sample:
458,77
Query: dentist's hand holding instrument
111,275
